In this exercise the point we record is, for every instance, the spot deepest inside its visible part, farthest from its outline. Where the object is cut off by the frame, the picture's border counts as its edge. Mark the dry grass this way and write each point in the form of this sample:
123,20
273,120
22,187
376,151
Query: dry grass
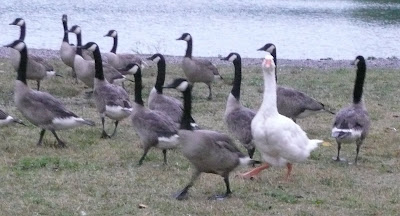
100,177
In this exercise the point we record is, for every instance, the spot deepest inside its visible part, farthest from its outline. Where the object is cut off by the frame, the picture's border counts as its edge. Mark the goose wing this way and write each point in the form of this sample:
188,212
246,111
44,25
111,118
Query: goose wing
155,122
205,65
112,95
239,123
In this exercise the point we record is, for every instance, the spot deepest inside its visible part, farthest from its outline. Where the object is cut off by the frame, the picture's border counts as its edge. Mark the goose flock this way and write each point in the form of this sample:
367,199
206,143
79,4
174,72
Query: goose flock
167,123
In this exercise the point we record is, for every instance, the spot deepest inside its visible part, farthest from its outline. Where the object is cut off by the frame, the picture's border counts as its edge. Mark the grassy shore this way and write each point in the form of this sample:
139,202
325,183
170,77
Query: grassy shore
100,177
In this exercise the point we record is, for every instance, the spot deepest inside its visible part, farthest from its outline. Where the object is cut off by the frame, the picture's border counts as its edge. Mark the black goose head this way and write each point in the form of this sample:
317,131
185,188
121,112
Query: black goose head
179,84
232,57
111,33
156,57
269,47
131,68
64,18
18,22
75,29
185,37
359,61
91,46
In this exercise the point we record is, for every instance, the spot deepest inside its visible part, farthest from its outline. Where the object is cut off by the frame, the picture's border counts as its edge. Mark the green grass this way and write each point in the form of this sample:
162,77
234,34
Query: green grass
101,177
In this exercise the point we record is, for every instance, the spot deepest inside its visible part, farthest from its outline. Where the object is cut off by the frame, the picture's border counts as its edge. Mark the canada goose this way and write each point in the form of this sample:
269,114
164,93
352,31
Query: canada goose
197,70
67,51
6,119
85,69
111,100
154,128
292,103
280,140
120,60
352,122
208,151
38,68
170,106
40,108
237,117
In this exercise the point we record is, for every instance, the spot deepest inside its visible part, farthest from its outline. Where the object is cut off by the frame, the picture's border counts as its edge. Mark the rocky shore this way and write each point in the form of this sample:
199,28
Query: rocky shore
327,63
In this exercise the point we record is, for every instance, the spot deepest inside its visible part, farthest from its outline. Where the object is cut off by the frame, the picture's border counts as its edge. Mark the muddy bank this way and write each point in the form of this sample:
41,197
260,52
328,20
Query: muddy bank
390,63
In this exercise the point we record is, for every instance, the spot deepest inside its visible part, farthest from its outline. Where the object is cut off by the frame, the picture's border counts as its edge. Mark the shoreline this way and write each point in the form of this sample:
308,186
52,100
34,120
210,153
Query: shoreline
323,63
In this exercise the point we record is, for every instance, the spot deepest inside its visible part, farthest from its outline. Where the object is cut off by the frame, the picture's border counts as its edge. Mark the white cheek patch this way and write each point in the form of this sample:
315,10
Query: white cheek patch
356,61
270,49
187,38
114,34
157,59
77,30
183,86
134,69
19,46
232,58
92,48
21,23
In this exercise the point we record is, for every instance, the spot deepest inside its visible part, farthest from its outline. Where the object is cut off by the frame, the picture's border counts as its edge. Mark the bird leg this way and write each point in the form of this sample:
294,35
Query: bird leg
104,135
60,142
146,149
181,195
338,159
358,143
289,171
164,151
38,85
210,93
228,191
254,172
115,129
41,137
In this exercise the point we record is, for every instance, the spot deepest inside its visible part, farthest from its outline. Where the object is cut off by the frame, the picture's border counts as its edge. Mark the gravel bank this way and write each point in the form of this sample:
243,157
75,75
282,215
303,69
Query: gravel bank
390,63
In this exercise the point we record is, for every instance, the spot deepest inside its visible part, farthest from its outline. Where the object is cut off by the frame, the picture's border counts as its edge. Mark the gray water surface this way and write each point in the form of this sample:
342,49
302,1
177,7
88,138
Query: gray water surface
301,29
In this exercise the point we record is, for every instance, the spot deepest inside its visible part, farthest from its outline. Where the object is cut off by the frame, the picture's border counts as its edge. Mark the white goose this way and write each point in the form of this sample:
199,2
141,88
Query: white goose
278,138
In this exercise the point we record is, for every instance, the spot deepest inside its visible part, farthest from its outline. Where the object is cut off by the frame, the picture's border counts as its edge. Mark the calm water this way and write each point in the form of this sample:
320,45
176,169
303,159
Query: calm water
301,29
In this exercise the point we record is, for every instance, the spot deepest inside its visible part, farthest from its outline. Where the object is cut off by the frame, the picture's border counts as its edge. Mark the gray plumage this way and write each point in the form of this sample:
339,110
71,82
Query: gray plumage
38,67
292,103
237,117
208,151
40,108
85,69
111,100
152,127
197,70
35,71
352,123
168,105
119,60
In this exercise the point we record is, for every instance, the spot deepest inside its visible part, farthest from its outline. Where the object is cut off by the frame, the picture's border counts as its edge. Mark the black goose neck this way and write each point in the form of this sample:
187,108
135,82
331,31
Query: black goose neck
98,64
187,109
65,25
115,45
237,63
21,76
359,83
189,48
138,87
79,42
160,75
22,32
273,53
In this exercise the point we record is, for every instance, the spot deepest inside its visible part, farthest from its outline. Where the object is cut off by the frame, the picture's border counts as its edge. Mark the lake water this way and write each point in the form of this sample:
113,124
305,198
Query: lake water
301,29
